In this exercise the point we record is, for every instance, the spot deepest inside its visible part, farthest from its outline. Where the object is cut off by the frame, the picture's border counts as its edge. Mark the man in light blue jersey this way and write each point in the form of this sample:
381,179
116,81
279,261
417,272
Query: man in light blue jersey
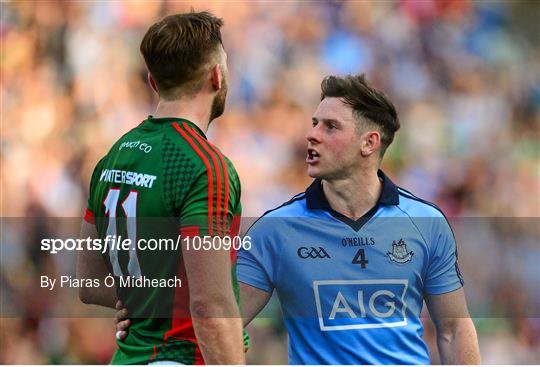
353,257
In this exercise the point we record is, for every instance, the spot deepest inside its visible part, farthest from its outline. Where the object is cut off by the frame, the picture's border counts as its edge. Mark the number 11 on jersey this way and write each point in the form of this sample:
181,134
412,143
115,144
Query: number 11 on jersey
129,205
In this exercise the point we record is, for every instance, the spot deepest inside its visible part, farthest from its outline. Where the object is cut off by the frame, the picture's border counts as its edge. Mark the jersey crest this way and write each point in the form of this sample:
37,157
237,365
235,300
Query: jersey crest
399,253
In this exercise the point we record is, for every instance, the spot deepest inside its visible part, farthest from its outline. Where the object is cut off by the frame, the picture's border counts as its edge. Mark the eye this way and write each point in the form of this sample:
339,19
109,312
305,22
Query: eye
313,123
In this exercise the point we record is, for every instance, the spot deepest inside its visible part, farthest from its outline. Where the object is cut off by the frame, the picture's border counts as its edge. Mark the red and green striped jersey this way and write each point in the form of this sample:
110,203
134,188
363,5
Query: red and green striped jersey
161,179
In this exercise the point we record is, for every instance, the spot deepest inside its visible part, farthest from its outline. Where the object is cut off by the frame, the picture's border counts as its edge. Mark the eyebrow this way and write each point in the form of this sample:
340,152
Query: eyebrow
327,121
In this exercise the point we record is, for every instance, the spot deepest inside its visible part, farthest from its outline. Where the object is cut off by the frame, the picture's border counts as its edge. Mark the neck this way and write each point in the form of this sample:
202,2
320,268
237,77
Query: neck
190,109
353,196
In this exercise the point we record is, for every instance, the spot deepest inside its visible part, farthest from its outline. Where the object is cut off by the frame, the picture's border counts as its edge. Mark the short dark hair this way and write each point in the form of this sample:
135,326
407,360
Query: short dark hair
369,104
177,49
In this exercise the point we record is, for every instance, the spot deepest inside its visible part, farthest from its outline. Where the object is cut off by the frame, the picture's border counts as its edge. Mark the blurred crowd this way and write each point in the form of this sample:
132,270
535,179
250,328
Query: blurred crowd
464,75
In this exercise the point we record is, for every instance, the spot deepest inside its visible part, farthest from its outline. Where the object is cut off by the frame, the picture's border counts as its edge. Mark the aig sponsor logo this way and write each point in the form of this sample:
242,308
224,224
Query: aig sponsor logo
312,253
360,304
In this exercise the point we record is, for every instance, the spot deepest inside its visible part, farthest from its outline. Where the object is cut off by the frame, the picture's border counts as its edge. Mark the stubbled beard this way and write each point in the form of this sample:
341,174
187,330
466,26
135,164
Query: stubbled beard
218,104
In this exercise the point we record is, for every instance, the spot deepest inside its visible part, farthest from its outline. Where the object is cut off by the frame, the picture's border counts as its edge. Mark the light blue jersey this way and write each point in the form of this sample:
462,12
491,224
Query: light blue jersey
352,291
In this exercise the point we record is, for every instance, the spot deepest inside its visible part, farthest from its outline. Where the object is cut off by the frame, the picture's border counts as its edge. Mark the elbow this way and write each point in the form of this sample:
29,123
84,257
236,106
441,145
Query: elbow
212,307
446,337
452,328
85,295
446,330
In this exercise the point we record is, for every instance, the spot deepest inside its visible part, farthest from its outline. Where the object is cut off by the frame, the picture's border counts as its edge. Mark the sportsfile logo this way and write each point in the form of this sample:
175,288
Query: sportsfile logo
360,304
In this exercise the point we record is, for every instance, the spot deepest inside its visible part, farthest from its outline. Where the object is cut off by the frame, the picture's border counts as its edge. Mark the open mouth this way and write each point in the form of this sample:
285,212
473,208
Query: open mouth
312,156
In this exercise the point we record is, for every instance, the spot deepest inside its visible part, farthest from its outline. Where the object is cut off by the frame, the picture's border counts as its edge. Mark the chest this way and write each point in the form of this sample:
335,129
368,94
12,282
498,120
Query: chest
328,269
382,249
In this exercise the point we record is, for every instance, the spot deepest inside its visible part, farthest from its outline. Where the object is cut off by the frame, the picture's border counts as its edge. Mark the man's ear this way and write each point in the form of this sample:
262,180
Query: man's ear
152,83
371,143
216,76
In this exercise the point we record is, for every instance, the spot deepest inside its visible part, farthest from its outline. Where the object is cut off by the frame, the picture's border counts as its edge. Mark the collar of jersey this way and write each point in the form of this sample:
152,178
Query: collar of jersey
164,120
315,199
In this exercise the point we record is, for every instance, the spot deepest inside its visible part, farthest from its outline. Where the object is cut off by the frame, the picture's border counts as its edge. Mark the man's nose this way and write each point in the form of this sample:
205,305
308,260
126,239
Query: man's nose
313,135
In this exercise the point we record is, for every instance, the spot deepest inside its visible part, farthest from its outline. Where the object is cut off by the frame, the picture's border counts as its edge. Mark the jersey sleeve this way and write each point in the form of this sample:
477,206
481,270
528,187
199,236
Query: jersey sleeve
257,266
443,274
211,205
91,206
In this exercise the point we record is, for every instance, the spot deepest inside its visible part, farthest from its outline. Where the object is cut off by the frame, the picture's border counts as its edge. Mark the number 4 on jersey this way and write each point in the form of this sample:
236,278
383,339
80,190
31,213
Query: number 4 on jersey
360,258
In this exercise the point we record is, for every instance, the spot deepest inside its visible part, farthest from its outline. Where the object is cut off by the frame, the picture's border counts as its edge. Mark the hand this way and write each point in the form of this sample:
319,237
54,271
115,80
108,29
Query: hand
121,320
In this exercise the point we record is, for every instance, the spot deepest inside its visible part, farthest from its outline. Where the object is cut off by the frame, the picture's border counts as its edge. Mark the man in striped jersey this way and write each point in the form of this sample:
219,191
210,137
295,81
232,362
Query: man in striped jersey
163,179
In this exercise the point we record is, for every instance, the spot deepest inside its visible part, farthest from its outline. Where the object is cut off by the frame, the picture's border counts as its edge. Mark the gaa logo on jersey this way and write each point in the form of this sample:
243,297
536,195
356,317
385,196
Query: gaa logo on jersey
312,253
360,304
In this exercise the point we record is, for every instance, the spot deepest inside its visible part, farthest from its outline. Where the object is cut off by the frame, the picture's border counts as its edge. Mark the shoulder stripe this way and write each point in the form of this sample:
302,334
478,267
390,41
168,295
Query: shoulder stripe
410,195
296,197
225,179
208,173
204,145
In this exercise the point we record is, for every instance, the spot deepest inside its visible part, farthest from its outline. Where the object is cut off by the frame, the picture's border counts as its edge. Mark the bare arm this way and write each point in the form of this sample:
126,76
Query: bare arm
253,300
90,265
215,314
456,334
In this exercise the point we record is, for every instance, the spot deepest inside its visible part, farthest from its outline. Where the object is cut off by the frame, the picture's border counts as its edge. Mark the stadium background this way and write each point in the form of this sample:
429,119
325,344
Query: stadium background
464,76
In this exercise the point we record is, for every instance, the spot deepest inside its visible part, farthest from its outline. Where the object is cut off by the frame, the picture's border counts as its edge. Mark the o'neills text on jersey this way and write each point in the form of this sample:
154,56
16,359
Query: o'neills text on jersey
127,177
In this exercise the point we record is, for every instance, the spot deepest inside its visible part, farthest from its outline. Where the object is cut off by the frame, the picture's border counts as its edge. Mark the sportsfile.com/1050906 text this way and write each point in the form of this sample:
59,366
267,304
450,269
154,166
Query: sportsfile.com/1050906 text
112,242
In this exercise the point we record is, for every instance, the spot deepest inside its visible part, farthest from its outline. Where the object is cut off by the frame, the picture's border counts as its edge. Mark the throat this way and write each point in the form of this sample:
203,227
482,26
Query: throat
353,199
352,212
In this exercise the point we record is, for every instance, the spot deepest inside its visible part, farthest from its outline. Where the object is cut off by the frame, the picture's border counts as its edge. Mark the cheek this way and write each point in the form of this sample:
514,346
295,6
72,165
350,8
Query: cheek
342,149
335,150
